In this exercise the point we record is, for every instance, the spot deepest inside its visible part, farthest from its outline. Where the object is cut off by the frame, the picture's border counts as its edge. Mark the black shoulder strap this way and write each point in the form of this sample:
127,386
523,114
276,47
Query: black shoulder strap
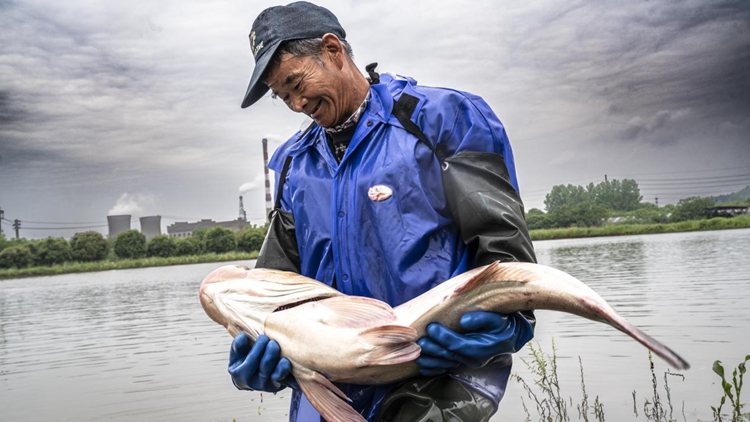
282,178
285,169
403,108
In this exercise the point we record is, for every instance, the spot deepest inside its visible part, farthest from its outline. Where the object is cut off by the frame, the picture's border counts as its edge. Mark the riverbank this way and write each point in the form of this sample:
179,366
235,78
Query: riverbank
122,264
741,222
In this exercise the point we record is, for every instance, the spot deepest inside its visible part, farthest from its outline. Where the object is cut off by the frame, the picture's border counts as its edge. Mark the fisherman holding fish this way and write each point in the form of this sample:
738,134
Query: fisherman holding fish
394,188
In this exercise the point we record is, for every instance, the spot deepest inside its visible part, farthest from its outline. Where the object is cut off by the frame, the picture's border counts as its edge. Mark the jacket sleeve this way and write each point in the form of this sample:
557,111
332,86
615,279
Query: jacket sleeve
481,190
480,186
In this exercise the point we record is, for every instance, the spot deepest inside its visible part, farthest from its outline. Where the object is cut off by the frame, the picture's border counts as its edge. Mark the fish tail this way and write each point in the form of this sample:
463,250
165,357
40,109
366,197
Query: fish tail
608,316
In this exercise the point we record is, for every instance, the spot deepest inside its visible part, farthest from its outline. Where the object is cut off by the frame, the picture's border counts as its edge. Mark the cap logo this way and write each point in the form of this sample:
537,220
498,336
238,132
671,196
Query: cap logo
379,193
253,47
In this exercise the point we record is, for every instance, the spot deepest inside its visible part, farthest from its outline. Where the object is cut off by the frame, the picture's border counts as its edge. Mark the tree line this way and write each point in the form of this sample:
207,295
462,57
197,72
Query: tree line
596,204
93,246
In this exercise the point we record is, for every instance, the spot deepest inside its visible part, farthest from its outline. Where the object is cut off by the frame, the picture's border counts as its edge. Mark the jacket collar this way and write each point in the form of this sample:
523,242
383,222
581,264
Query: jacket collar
380,108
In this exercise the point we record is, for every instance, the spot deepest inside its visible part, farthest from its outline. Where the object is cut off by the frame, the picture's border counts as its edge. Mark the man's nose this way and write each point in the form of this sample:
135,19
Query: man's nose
298,103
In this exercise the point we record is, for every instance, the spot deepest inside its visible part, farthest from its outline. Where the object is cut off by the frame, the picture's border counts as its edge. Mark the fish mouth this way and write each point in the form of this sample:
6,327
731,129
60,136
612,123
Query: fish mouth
294,304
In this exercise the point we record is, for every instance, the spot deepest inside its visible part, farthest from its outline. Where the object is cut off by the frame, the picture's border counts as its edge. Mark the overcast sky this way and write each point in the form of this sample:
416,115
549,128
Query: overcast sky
111,107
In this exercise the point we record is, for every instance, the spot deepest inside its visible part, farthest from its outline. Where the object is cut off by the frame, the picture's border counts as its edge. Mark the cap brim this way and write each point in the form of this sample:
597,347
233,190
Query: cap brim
257,88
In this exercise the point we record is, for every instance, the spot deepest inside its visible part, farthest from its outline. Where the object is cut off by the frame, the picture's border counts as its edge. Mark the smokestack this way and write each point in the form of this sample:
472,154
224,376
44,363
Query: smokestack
118,224
268,181
151,226
243,214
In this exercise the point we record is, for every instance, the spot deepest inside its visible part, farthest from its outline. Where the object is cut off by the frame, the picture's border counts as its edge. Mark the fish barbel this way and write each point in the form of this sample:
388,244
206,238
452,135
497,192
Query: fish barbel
331,337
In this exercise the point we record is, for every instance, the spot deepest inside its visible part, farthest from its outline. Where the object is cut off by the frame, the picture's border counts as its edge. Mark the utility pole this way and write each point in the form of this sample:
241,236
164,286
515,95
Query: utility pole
657,201
17,226
2,216
605,178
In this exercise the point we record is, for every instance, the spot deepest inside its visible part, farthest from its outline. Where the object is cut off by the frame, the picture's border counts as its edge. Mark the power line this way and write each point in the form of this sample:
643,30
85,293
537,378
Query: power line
686,179
63,223
636,175
690,188
689,171
64,228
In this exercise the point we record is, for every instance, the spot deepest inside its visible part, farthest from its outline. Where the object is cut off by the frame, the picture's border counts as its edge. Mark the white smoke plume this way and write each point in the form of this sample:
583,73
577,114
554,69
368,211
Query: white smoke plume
135,204
256,183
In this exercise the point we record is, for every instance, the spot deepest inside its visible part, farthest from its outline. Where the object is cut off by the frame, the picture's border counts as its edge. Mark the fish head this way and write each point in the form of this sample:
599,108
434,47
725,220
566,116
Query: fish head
240,298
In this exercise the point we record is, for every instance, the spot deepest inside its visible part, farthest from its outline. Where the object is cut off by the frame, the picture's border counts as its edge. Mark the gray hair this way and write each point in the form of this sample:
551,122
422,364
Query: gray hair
308,47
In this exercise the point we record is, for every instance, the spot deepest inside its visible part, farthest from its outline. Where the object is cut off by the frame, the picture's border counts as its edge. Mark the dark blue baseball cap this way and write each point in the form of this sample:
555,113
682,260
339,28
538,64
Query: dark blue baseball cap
295,21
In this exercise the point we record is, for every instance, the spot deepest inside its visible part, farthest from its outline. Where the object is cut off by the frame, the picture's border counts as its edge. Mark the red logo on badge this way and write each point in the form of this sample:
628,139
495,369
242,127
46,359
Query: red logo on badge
379,193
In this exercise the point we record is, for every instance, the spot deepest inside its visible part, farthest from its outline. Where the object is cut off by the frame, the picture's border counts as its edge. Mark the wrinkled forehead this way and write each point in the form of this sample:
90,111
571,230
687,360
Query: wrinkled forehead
287,69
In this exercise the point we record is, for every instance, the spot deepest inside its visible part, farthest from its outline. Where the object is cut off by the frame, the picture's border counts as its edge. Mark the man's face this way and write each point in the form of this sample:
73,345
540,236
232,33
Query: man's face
312,85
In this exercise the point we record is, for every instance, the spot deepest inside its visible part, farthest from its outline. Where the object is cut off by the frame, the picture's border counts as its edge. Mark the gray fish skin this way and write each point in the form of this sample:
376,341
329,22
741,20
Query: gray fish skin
330,337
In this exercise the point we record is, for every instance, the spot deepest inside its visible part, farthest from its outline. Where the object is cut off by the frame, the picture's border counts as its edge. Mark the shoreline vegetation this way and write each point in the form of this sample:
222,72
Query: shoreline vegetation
122,264
717,223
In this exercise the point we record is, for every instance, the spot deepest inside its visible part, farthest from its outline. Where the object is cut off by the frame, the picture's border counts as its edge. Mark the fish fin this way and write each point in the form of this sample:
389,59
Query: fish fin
391,344
356,312
327,399
488,274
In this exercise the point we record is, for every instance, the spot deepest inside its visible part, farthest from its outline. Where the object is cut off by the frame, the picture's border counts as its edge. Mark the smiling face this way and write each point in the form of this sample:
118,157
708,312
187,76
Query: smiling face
323,87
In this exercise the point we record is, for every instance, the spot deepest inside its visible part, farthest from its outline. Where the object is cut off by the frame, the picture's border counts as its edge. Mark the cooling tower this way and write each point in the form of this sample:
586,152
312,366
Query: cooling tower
118,224
151,226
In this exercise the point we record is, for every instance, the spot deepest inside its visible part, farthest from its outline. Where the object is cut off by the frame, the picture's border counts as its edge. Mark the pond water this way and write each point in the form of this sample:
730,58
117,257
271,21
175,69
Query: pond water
135,345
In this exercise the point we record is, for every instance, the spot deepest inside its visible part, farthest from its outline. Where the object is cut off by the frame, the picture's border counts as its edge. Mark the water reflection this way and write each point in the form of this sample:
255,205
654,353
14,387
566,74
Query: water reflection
136,345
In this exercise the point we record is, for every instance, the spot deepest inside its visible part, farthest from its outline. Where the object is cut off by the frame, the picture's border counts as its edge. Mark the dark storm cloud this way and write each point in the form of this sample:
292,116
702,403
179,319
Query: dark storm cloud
144,96
687,69
10,112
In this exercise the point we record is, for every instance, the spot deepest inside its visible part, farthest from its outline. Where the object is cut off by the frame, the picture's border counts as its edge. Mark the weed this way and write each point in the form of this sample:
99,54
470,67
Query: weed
550,404
731,391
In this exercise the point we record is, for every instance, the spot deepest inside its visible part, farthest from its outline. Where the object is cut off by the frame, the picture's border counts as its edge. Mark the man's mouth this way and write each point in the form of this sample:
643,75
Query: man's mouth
315,110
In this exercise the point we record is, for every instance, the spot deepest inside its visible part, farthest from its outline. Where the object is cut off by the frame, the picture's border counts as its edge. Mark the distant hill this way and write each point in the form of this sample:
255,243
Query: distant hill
739,196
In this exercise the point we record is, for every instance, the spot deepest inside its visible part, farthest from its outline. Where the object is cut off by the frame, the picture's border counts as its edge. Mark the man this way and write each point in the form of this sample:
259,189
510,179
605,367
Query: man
393,189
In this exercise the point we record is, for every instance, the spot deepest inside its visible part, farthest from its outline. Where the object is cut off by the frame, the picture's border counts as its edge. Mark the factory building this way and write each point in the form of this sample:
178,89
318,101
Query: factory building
151,226
184,229
118,224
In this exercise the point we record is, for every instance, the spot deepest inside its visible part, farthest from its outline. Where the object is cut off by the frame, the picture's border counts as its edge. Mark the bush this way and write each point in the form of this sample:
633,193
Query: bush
89,246
188,246
250,239
130,244
219,240
52,251
693,208
16,256
583,214
162,246
537,220
4,243
199,234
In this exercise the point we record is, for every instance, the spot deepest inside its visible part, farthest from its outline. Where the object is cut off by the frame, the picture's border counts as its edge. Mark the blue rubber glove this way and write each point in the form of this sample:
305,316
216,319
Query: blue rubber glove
258,366
487,334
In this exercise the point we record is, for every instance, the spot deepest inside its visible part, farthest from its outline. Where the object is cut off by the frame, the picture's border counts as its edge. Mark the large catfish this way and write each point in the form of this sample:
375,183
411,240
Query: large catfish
329,336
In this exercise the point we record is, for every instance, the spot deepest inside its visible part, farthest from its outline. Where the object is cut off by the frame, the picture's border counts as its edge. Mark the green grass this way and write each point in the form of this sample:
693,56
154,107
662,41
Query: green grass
121,264
718,223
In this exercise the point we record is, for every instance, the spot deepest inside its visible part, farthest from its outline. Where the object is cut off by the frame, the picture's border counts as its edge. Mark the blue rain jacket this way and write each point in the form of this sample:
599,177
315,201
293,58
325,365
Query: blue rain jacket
398,248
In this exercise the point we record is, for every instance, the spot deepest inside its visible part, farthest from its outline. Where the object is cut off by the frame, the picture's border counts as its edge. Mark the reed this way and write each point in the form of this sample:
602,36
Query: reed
552,406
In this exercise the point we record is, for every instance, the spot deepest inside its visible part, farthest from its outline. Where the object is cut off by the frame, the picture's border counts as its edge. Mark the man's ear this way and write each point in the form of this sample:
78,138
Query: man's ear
333,49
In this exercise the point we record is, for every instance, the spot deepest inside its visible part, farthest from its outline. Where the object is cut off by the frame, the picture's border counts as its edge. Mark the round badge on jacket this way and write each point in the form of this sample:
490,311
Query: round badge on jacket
379,193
